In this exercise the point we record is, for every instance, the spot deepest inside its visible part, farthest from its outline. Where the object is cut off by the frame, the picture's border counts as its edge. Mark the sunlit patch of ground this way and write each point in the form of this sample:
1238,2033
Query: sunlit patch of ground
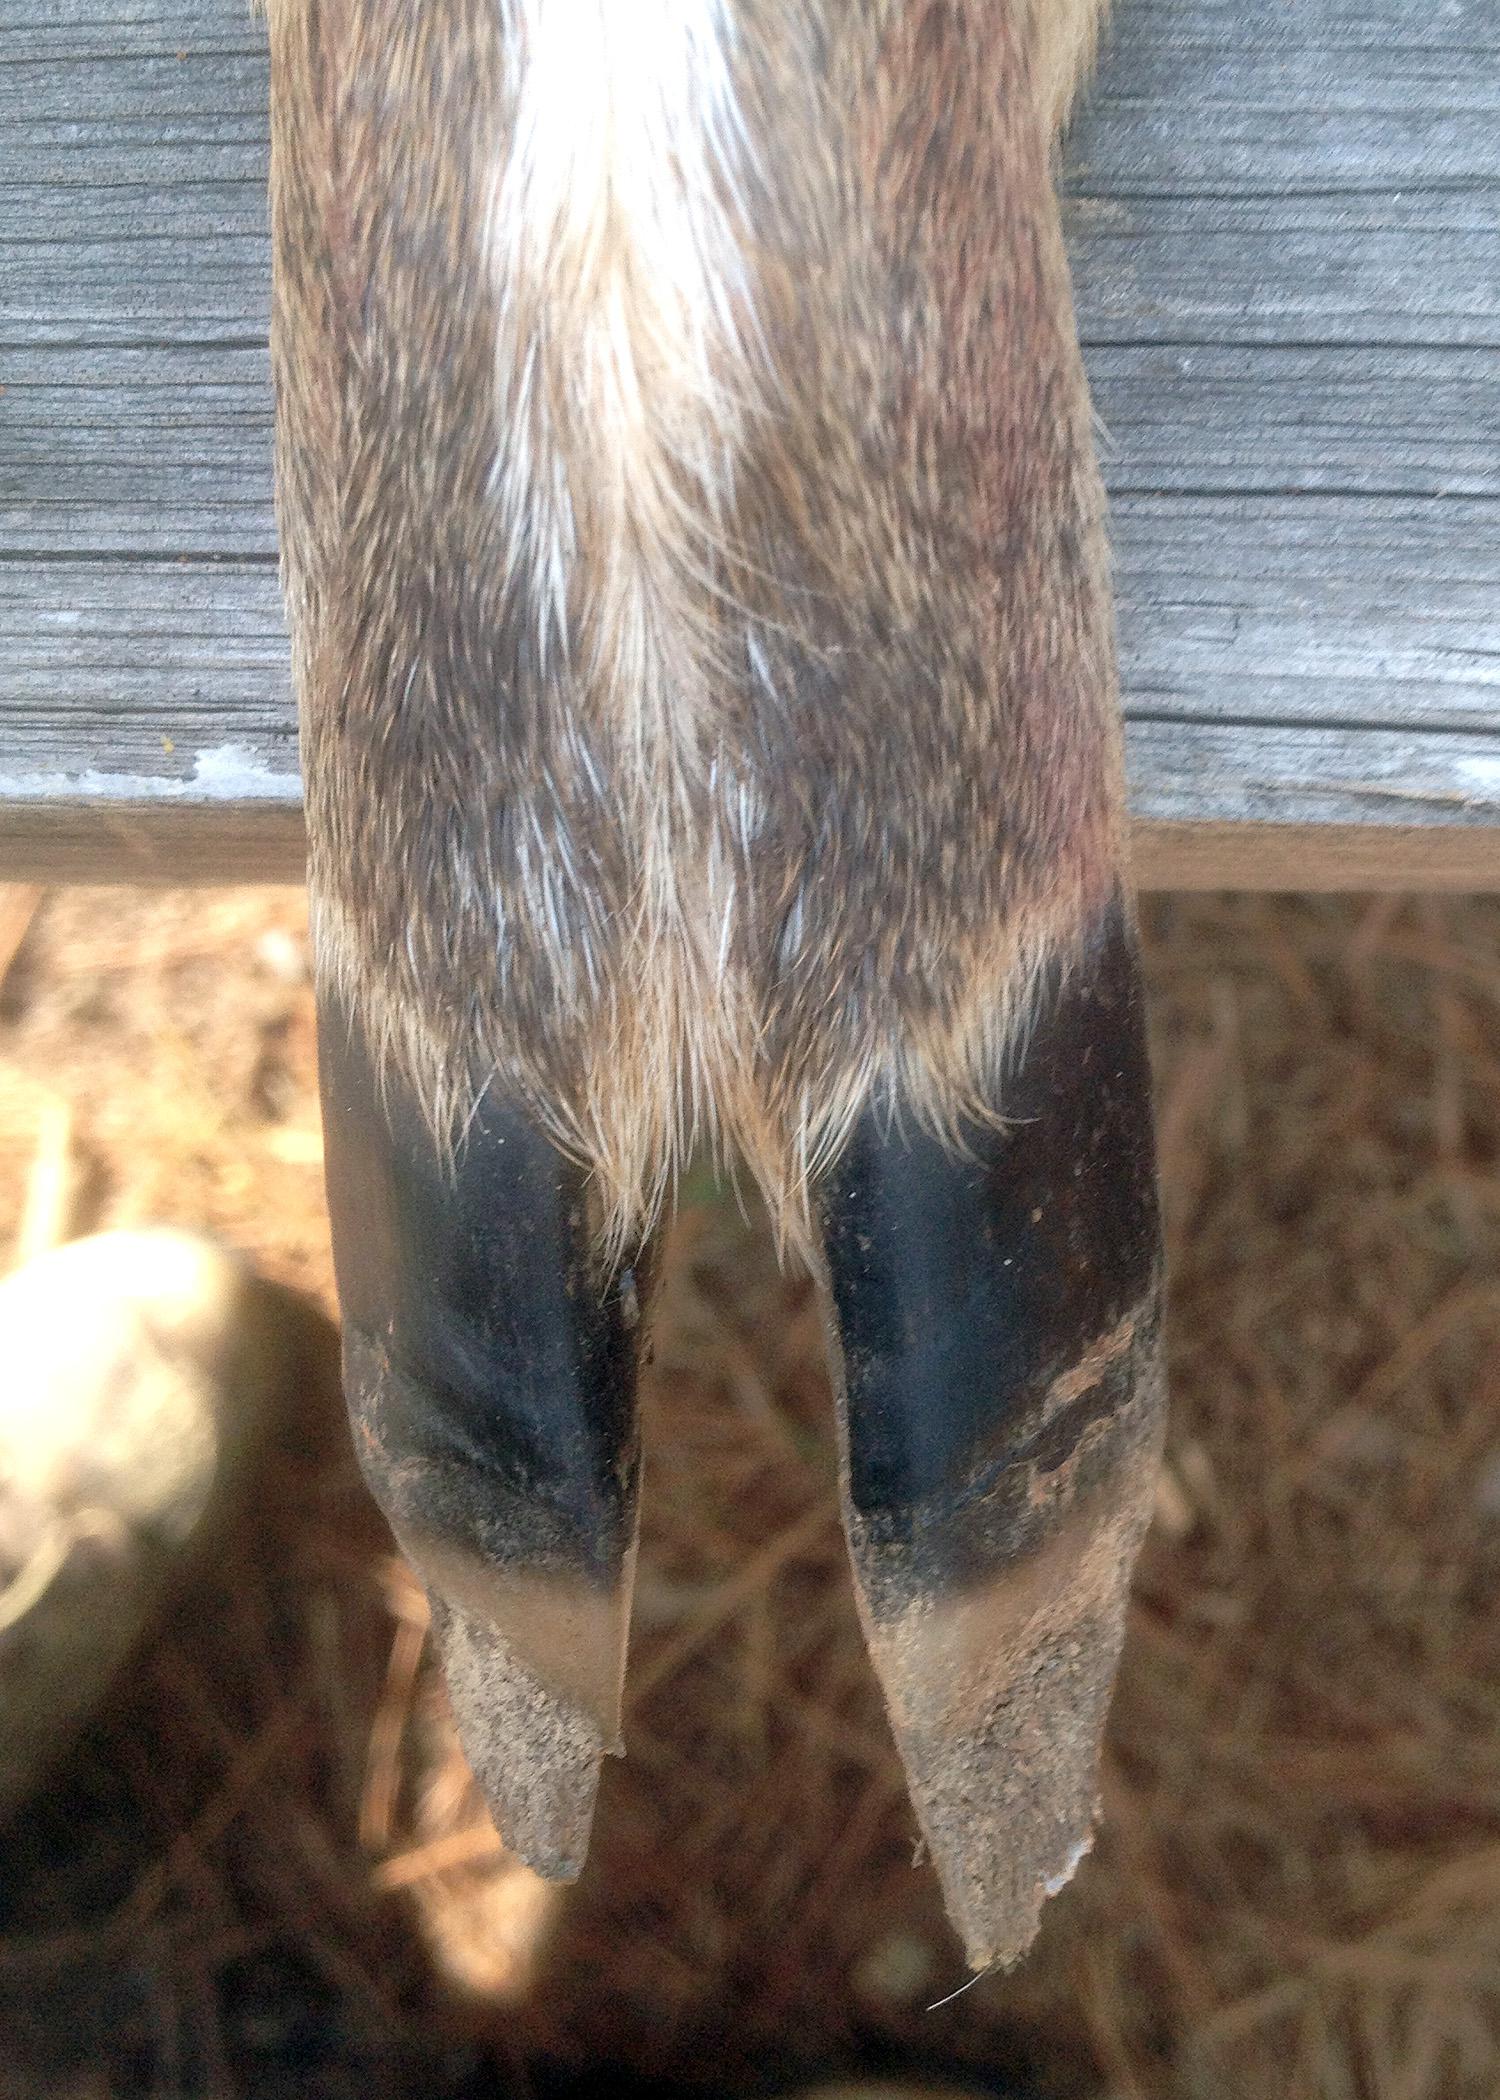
266,1863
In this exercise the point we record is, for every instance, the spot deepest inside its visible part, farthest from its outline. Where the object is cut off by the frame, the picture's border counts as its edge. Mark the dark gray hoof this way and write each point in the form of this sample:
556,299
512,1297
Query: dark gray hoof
1002,1396
489,1367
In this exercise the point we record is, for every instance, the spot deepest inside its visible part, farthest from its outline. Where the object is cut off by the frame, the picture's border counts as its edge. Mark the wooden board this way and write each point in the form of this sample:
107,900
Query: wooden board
1286,238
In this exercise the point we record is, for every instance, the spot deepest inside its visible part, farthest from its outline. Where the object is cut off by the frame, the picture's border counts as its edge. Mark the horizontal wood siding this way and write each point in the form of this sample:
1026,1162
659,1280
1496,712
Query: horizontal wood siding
1286,238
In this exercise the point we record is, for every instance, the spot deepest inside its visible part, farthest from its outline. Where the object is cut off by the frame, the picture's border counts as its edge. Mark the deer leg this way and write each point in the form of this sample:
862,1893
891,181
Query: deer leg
998,1310
696,569
489,1364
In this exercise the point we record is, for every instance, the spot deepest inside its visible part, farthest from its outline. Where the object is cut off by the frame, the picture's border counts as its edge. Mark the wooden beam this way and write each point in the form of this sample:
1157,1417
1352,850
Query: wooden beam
1286,239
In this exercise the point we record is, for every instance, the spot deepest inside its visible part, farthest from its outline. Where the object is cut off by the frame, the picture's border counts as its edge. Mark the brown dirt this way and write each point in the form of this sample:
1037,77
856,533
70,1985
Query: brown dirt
264,1872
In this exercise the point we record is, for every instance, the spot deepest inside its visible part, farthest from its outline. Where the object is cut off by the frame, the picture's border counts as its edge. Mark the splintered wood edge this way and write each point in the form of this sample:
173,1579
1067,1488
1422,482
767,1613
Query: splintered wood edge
1249,856
200,842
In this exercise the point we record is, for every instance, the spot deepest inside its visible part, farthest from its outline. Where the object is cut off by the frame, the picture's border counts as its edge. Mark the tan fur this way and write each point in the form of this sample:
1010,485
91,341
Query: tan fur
695,558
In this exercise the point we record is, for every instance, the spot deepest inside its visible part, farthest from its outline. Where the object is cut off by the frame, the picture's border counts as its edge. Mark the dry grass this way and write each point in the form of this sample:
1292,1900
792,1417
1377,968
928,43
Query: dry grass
265,1871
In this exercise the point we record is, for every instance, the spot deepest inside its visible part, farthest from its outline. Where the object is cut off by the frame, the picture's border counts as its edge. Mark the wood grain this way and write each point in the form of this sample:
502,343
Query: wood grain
1286,238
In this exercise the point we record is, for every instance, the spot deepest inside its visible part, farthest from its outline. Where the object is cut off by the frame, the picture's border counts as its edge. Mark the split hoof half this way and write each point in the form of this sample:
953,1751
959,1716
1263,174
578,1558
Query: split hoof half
489,1367
998,1314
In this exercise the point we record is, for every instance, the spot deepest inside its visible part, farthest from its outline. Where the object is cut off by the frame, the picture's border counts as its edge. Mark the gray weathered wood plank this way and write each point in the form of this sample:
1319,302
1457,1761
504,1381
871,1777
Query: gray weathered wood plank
1286,240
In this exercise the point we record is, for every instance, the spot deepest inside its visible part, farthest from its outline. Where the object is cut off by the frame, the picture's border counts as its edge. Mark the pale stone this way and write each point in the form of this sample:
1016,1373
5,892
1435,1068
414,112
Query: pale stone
135,1371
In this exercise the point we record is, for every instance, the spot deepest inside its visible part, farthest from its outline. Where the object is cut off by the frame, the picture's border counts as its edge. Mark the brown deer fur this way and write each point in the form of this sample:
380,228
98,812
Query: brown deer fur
695,557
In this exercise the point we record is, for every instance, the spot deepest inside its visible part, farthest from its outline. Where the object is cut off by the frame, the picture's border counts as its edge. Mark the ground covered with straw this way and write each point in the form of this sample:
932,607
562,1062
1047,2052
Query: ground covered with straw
264,1871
